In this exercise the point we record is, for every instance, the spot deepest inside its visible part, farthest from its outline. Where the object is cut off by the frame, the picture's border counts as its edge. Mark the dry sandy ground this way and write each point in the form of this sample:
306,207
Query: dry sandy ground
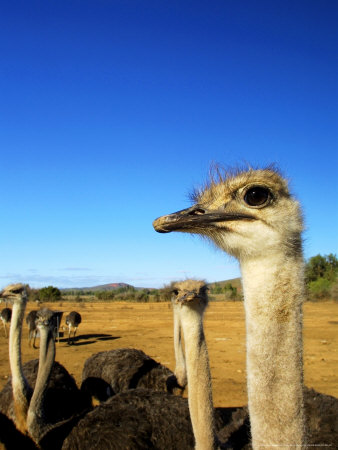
149,327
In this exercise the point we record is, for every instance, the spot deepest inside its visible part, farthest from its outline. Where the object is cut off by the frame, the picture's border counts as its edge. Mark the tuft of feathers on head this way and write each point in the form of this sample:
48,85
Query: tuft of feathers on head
189,284
219,174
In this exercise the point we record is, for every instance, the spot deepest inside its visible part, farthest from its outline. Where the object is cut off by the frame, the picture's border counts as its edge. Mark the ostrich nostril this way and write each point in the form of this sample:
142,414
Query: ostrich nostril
197,212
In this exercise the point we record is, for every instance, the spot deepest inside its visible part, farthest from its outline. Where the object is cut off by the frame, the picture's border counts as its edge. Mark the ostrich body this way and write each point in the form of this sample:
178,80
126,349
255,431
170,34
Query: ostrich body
107,373
73,320
135,419
11,438
6,315
32,330
252,216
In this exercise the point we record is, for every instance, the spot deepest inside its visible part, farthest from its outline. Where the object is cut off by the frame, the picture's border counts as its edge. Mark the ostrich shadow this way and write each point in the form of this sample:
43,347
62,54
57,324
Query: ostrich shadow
87,339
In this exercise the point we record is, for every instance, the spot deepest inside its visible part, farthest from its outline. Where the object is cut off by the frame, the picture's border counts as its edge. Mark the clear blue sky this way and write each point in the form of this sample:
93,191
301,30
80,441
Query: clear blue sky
112,111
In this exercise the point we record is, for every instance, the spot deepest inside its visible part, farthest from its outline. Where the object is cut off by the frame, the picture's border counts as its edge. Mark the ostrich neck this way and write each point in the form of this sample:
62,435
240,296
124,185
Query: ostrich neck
36,422
20,386
199,379
273,297
180,368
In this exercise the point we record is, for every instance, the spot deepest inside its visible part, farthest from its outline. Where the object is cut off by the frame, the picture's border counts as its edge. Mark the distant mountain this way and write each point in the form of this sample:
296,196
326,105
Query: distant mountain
235,282
102,287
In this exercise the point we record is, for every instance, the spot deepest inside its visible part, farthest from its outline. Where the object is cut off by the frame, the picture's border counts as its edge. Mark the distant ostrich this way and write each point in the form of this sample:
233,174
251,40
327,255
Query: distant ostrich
73,320
6,315
251,215
57,321
62,399
32,330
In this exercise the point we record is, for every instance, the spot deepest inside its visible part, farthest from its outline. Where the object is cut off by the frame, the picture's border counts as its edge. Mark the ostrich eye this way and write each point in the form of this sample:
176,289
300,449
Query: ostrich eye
175,292
257,196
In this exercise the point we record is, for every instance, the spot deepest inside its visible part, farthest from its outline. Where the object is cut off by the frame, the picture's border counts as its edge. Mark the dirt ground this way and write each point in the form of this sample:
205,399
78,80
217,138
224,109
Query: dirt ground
149,327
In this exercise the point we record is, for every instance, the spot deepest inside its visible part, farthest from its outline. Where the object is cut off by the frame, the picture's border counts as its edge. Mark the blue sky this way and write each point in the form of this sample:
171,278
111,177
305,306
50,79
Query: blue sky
112,111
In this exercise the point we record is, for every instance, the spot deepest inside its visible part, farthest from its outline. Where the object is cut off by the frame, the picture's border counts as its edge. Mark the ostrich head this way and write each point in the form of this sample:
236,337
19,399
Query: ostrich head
247,214
14,292
190,291
45,319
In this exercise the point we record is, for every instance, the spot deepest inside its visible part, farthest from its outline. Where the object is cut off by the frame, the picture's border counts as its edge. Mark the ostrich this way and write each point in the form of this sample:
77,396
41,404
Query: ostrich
190,301
57,320
252,216
73,320
6,315
20,389
62,398
180,364
32,330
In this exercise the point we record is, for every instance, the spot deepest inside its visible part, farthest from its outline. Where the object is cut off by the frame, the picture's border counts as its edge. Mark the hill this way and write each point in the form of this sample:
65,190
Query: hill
102,287
235,282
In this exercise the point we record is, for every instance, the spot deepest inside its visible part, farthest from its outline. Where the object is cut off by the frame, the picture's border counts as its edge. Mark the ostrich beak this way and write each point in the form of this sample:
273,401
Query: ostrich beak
193,219
187,297
5,293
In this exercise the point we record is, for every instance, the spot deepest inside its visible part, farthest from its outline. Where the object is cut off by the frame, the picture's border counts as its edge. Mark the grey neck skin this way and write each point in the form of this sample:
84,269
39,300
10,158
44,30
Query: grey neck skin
36,422
199,378
180,368
273,298
20,386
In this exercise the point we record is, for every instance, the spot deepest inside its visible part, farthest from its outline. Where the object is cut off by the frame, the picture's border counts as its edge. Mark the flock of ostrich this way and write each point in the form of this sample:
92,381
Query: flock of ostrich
250,215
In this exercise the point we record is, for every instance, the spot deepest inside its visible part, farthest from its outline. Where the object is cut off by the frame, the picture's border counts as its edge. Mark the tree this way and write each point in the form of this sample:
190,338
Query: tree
217,289
49,294
321,267
230,291
321,277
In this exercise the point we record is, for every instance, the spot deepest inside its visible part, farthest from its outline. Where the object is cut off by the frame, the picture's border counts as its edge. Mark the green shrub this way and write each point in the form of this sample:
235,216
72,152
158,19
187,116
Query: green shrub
49,294
319,289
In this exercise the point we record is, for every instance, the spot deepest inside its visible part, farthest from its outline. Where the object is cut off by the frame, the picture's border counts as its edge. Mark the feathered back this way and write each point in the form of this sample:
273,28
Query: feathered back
122,369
